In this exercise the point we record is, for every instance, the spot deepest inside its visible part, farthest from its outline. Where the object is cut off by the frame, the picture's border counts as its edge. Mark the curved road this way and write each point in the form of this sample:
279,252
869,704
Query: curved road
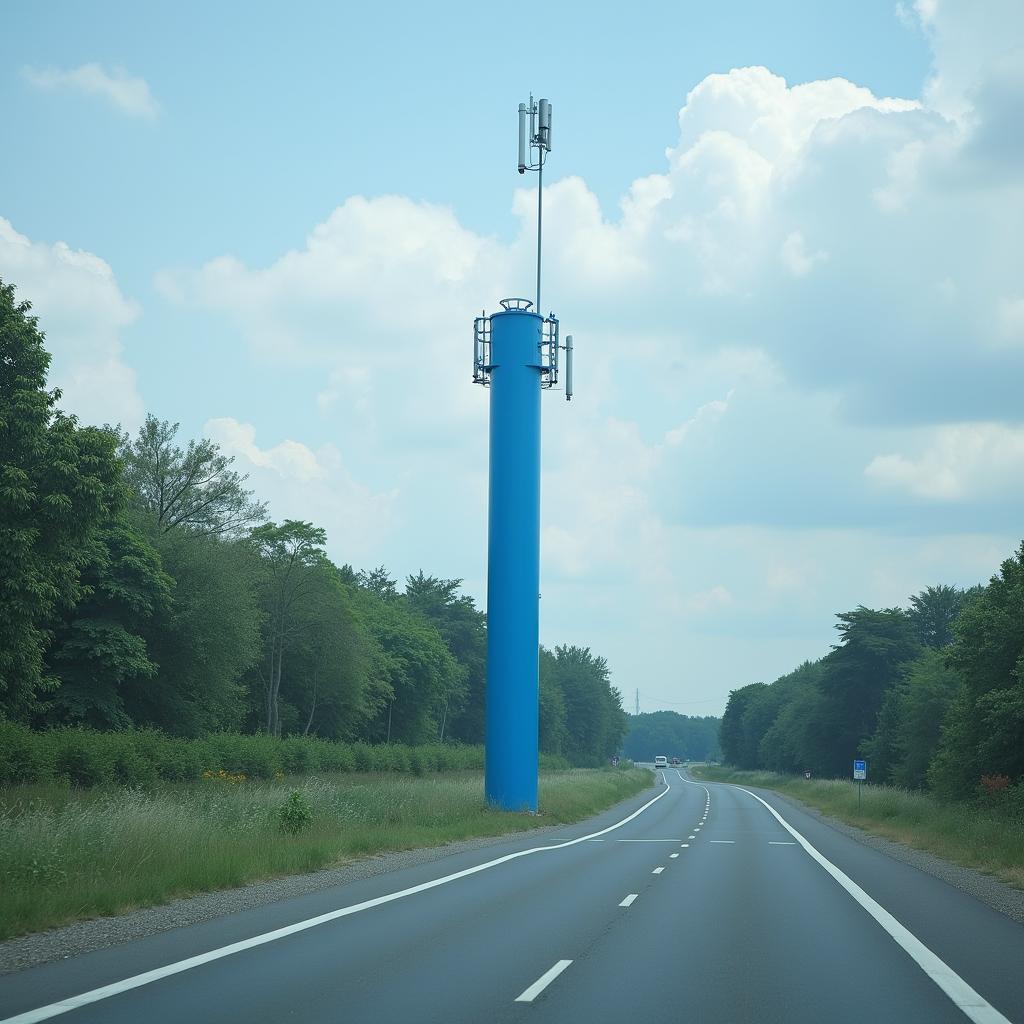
692,902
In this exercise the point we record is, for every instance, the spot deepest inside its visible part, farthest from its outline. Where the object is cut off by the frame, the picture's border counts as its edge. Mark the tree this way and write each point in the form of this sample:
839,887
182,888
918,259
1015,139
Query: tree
935,609
206,639
463,627
192,488
875,646
335,677
984,726
910,720
294,564
422,678
56,482
595,722
99,654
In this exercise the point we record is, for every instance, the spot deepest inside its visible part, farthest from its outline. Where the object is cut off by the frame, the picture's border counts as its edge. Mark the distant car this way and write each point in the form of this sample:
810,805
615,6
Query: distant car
676,761
661,761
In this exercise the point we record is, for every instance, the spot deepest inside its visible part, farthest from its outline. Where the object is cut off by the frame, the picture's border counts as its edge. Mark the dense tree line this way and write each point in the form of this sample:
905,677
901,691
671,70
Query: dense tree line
932,695
141,585
674,735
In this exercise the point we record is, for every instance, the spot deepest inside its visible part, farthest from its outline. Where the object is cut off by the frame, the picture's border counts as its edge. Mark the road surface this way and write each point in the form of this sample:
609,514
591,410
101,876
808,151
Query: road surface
691,902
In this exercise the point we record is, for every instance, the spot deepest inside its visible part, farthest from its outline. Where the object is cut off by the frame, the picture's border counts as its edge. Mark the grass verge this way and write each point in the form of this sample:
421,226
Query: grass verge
67,854
975,836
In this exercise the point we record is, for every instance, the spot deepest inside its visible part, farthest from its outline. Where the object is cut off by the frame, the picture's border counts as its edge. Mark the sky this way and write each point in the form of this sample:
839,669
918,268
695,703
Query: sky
785,236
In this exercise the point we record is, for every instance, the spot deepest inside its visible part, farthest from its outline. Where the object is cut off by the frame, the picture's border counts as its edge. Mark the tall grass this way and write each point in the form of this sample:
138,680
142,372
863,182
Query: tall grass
68,853
988,836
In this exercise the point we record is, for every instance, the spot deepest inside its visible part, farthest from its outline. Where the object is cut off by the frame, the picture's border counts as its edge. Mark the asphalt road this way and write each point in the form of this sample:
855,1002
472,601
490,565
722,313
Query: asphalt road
700,906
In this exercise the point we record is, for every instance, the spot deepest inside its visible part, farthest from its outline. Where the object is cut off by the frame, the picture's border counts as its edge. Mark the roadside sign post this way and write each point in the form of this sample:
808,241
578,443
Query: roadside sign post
860,773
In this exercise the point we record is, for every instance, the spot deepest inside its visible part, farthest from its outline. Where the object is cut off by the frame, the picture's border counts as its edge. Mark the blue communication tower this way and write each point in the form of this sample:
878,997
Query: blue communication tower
516,354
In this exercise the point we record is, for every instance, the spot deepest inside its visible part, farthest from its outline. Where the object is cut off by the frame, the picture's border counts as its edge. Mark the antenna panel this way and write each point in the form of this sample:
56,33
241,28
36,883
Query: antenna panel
522,138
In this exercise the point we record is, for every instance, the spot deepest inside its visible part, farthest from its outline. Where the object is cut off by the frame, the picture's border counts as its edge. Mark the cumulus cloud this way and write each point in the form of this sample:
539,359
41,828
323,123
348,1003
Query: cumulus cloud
961,462
127,93
301,483
82,311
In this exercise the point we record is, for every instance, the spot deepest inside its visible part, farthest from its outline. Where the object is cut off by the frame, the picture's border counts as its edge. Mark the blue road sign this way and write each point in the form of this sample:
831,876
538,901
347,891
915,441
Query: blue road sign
860,769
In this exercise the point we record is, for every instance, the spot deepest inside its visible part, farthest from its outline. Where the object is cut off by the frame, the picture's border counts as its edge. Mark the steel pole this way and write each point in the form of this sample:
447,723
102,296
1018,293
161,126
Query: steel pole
513,562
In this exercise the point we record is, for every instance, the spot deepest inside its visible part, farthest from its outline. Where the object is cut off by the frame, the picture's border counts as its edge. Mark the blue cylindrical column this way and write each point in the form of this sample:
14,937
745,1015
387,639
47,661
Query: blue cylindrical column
513,562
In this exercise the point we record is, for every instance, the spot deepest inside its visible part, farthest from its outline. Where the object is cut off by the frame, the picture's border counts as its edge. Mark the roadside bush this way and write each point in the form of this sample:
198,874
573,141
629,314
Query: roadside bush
294,814
83,757
299,756
144,757
23,755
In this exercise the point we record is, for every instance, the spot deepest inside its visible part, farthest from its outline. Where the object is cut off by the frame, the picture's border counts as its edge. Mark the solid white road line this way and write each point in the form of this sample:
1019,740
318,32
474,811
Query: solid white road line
542,982
147,977
628,901
972,1004
657,871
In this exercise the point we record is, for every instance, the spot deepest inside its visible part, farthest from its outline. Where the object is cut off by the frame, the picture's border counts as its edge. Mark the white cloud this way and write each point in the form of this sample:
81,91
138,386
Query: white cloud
300,483
82,312
970,461
127,93
796,257
714,599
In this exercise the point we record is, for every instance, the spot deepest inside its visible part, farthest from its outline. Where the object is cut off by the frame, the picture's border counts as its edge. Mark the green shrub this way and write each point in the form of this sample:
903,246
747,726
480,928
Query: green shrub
24,757
294,814
82,756
299,756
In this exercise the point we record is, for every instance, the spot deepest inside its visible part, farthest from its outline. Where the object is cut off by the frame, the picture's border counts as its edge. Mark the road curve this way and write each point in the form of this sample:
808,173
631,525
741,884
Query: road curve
691,902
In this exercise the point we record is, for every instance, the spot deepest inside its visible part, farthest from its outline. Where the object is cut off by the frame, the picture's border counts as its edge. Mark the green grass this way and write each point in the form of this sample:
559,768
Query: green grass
69,853
988,838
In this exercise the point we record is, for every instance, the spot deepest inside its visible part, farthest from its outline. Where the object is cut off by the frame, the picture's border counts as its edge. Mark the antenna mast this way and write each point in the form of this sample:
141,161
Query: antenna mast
535,136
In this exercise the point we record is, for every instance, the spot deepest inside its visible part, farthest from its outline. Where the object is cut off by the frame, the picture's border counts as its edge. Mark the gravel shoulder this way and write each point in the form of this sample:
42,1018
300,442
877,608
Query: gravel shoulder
100,933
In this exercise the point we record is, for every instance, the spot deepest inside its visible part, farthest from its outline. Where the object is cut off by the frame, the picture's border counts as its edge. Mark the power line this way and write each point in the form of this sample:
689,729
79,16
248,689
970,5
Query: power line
674,703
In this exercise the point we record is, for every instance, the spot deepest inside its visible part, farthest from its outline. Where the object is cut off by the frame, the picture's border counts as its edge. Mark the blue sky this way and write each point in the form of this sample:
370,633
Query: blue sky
784,235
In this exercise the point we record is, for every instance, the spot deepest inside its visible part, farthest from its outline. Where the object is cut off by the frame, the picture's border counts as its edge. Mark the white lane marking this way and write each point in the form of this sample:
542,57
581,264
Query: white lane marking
776,842
971,1003
629,899
147,977
673,855
542,982
657,871
595,840
725,841
686,846
691,837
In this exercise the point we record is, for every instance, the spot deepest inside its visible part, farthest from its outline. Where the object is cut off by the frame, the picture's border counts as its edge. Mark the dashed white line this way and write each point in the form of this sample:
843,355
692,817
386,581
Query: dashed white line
686,846
776,842
542,982
691,837
629,899
657,871
720,841
673,855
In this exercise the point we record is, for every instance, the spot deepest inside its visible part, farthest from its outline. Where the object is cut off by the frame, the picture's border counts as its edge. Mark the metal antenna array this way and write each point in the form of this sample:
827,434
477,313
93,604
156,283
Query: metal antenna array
534,145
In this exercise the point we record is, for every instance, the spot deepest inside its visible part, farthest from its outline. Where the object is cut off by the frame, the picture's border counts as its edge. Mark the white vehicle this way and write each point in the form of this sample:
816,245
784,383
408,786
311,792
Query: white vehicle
661,761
